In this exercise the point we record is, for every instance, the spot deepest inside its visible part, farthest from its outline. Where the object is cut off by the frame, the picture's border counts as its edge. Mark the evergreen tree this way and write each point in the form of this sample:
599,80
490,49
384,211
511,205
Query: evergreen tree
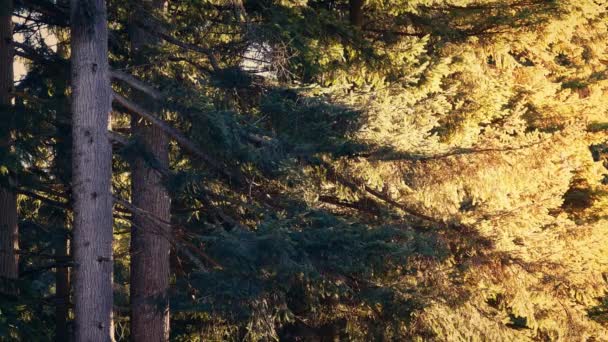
338,170
150,243
92,172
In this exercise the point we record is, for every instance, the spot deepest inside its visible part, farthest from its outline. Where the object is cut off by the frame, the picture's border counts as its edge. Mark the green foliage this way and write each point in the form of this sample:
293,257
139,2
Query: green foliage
600,312
315,268
438,173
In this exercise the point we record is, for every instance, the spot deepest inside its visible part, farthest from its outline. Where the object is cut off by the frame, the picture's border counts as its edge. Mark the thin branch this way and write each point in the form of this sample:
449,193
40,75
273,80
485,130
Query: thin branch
374,193
32,54
176,238
58,16
118,138
452,153
359,205
184,142
46,200
137,84
161,32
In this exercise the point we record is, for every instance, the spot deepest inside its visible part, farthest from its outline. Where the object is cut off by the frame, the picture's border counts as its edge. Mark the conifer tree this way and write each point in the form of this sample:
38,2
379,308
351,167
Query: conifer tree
150,242
92,171
355,170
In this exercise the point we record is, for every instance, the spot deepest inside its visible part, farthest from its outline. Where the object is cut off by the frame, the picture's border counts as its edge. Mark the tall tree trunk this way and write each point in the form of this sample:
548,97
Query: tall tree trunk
92,172
9,242
62,157
150,247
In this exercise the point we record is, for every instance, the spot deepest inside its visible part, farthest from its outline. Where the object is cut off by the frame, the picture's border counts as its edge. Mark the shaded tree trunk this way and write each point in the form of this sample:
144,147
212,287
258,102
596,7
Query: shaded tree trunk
150,247
62,158
62,292
355,8
9,242
91,172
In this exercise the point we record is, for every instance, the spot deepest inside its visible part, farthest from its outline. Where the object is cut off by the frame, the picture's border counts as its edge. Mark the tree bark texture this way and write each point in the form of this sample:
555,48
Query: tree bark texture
150,247
92,172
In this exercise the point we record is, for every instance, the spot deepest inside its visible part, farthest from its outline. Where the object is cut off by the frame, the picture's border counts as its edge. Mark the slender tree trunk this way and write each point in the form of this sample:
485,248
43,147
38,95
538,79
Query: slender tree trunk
62,158
62,292
9,242
150,247
356,12
91,172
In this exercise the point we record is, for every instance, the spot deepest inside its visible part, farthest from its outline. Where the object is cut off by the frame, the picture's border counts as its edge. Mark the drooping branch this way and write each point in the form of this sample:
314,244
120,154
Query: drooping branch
48,201
162,33
495,6
358,186
118,138
136,83
177,238
184,142
452,153
52,13
30,53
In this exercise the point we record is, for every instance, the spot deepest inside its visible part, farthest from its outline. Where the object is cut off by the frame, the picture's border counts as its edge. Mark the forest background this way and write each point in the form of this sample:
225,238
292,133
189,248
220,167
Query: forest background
322,170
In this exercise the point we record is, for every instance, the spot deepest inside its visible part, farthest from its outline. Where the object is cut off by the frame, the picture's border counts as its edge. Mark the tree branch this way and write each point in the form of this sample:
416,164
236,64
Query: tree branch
176,238
32,54
161,32
48,201
184,142
374,193
137,84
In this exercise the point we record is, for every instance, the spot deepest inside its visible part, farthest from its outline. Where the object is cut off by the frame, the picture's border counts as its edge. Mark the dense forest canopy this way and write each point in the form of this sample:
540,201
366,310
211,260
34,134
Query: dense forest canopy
321,170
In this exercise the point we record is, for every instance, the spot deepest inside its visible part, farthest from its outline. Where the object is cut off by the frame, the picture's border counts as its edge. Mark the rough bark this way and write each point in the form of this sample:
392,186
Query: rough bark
91,172
8,198
150,246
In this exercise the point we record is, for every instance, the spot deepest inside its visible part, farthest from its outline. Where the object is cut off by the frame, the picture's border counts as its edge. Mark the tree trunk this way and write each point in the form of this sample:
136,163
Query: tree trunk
62,291
92,172
356,12
150,247
9,242
62,157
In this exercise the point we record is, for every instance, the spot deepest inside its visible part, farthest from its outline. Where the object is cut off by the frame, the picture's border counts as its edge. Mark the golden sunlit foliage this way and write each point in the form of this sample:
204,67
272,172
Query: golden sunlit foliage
495,132
405,170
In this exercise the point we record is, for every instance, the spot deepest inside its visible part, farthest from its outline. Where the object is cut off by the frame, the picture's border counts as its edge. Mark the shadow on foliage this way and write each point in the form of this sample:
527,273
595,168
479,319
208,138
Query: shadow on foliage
292,270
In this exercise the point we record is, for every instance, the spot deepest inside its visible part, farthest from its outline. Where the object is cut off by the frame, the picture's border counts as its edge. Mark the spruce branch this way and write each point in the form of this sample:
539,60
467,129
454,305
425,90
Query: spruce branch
183,141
